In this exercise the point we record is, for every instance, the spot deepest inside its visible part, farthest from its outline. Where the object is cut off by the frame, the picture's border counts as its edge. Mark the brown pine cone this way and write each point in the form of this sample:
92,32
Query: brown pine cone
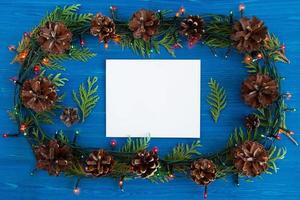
103,27
145,163
53,157
99,163
54,37
250,158
192,27
203,171
144,24
259,90
252,122
69,116
39,94
248,34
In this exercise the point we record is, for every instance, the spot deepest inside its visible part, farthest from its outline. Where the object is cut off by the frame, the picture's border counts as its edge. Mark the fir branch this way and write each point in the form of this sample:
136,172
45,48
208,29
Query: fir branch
120,169
77,54
254,68
218,32
160,176
60,136
237,137
87,99
57,80
68,15
76,170
275,50
168,42
274,155
216,99
135,145
37,135
184,152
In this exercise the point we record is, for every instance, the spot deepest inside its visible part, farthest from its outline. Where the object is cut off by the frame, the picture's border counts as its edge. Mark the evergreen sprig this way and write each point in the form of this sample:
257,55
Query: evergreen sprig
87,98
238,137
135,145
68,15
216,99
77,54
183,152
218,32
57,80
274,155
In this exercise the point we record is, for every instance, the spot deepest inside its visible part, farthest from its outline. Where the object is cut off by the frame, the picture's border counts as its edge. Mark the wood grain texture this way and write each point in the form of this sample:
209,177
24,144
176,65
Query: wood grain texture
16,159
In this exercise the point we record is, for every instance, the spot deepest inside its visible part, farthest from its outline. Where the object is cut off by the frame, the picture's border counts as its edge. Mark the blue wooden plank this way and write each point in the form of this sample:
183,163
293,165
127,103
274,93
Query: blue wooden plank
16,159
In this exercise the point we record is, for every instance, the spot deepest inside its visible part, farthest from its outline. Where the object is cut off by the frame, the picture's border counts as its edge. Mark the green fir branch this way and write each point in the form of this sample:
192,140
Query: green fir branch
160,176
57,80
237,137
218,32
87,99
216,99
68,15
274,155
37,135
60,136
183,152
136,145
77,54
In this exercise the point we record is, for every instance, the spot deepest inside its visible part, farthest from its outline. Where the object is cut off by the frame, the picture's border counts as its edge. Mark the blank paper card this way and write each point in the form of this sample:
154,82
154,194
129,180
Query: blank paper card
156,98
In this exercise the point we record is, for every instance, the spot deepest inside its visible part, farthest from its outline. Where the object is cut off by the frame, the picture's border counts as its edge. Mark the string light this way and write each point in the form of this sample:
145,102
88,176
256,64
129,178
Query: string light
26,34
22,56
248,59
177,45
5,135
76,191
82,42
45,61
288,95
205,195
12,48
37,69
121,183
259,56
155,149
113,8
242,7
105,45
113,143
23,128
75,136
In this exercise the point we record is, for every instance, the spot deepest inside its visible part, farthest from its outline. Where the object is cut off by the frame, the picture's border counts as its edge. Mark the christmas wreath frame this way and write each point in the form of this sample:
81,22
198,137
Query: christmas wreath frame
250,151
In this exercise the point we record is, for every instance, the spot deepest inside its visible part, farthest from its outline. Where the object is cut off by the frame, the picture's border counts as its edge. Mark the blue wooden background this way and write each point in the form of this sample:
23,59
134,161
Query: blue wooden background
16,159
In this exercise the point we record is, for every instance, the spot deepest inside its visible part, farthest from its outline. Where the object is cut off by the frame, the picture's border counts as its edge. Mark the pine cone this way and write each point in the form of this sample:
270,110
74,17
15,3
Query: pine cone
252,122
144,24
103,27
54,37
99,163
192,27
145,163
53,157
250,158
248,34
259,91
39,94
203,171
69,116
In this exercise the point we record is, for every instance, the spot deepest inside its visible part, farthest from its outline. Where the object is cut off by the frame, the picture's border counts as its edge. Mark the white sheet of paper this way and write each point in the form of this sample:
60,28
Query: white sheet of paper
157,98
